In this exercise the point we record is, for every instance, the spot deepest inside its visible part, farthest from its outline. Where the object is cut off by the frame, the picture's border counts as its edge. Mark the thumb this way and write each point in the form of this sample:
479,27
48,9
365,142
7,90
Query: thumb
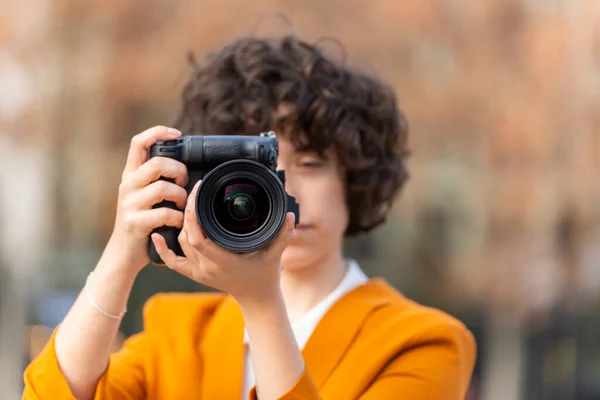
281,241
285,234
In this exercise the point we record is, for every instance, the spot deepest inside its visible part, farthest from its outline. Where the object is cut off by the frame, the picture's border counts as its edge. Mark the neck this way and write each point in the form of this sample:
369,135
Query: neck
305,287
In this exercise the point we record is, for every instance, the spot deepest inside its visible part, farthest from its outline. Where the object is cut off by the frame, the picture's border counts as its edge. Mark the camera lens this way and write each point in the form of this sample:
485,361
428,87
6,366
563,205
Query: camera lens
243,208
241,205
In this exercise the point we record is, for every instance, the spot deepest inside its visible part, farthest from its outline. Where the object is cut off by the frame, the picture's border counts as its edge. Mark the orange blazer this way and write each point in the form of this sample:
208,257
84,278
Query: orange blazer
372,344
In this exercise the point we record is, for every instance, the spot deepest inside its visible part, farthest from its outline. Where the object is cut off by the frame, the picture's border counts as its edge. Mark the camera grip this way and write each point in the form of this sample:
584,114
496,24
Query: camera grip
170,234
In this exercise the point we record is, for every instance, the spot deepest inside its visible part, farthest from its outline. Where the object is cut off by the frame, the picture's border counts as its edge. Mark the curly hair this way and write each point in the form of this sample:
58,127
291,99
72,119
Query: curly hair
241,90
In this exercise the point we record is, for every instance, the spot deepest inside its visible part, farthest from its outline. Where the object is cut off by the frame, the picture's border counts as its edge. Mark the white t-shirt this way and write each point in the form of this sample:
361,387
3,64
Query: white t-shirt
305,325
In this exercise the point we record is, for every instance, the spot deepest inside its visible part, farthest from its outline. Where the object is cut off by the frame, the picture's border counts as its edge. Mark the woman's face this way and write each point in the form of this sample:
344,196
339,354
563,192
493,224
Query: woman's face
319,190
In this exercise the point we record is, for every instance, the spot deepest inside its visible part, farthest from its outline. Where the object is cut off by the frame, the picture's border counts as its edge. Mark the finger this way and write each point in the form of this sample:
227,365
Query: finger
156,168
148,220
158,191
285,235
187,248
195,236
281,241
192,197
140,143
171,260
197,258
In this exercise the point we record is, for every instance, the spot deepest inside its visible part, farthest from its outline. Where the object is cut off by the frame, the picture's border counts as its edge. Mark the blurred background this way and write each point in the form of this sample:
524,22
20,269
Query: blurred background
499,224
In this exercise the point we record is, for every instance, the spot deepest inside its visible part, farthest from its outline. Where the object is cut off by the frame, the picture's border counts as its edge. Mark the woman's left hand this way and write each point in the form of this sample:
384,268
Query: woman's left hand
250,276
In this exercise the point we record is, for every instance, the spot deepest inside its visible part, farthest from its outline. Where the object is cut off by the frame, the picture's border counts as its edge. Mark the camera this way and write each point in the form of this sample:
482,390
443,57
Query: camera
241,203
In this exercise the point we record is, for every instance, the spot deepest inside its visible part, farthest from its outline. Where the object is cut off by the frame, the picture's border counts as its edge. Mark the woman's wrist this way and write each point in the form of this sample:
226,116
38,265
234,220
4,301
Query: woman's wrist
277,359
265,302
109,285
114,262
257,299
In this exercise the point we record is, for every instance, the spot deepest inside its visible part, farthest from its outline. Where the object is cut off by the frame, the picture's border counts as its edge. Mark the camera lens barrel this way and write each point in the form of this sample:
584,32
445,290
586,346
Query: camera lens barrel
268,199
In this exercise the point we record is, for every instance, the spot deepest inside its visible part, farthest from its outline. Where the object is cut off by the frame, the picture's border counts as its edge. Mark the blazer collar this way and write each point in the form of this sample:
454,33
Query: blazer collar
339,327
223,347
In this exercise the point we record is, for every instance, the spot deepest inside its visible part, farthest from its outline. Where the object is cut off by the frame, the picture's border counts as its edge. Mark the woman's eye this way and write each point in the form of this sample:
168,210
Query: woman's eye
311,163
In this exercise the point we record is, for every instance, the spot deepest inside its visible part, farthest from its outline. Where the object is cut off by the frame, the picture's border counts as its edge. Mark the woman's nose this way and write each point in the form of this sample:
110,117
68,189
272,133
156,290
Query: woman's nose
289,183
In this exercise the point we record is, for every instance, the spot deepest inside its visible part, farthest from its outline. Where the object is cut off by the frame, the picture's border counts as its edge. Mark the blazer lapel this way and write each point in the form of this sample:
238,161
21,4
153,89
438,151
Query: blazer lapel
223,347
336,332
223,353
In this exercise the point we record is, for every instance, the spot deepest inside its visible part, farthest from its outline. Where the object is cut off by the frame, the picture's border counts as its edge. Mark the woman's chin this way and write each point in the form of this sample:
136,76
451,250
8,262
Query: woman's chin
296,257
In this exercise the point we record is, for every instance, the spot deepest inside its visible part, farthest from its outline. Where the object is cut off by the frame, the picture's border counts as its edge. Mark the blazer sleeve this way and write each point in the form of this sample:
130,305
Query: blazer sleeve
123,378
437,365
303,389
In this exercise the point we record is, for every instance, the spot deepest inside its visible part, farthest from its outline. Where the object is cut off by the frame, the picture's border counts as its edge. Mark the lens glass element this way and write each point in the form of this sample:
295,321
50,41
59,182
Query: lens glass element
241,206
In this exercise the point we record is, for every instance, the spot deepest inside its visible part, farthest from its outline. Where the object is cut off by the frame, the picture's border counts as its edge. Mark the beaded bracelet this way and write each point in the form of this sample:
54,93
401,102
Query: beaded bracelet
96,306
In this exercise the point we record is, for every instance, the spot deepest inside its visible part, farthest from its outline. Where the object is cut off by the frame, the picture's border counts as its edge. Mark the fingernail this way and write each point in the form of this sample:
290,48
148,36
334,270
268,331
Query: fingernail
174,132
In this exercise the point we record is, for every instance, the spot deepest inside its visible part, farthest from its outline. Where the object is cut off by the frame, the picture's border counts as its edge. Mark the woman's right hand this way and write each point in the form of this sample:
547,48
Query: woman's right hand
139,190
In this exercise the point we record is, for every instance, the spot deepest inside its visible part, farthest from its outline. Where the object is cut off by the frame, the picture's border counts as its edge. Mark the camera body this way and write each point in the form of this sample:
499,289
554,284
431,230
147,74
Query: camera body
241,203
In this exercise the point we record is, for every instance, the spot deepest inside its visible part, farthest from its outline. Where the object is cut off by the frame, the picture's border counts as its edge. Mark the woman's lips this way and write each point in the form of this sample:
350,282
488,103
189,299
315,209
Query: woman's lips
302,228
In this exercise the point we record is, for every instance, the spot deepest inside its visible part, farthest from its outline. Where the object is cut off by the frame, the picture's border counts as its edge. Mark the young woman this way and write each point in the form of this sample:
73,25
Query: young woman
296,320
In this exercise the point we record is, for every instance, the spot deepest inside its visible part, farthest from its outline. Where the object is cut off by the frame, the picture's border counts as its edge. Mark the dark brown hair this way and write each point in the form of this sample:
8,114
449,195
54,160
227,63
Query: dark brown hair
241,90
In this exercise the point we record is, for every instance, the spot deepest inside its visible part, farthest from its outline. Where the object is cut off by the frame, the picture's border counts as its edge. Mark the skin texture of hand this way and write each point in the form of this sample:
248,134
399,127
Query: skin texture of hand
139,190
249,277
